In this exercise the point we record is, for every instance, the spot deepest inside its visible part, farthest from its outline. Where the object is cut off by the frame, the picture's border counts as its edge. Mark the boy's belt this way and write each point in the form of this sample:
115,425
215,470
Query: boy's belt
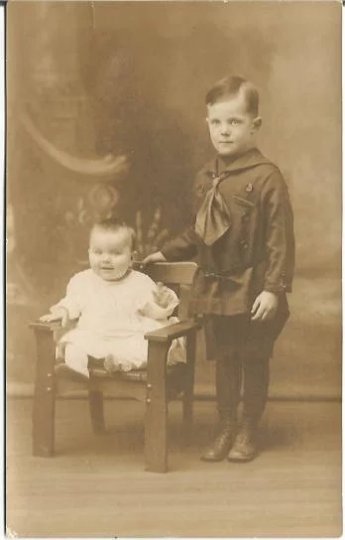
214,275
229,274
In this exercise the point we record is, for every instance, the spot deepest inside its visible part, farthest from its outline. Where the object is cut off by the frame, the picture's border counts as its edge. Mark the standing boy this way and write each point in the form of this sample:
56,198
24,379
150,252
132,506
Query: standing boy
244,242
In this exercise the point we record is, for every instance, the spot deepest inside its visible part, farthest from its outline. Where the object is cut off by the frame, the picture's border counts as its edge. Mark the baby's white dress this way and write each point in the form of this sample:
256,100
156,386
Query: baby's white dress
112,318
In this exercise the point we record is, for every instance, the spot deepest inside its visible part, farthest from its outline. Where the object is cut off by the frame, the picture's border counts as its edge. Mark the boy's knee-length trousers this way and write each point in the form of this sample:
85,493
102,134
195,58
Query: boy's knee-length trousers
242,351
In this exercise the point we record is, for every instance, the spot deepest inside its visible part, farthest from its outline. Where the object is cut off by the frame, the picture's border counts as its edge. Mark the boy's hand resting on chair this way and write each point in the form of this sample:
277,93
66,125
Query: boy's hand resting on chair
56,314
265,306
153,258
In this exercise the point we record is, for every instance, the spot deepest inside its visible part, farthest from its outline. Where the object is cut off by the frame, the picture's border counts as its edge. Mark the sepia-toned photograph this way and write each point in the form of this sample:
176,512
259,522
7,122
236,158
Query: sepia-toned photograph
173,269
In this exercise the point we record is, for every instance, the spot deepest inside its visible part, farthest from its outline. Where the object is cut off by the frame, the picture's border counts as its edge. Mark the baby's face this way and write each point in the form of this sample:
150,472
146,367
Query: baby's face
231,127
110,253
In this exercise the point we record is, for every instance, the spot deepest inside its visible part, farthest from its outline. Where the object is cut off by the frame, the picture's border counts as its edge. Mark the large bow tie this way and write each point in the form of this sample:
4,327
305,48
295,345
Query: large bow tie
213,218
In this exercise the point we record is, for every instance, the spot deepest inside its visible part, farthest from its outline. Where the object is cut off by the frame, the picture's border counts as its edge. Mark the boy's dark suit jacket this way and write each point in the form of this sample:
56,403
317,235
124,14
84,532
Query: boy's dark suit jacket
256,253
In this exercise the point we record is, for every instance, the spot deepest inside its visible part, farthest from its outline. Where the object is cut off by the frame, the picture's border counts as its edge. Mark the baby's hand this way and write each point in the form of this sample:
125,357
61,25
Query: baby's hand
163,296
265,306
56,314
163,304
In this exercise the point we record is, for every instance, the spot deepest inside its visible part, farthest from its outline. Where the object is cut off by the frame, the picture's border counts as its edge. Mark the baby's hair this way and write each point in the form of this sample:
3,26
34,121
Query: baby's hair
115,225
231,86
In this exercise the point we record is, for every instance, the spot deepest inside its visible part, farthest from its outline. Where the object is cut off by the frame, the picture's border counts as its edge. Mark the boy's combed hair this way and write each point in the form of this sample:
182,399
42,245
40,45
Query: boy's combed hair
231,86
116,225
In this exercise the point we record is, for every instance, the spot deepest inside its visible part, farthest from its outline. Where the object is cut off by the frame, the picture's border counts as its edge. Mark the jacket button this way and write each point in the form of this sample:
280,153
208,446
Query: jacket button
249,187
244,244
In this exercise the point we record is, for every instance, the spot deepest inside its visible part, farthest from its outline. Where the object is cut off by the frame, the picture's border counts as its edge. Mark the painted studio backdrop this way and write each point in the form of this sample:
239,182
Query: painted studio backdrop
105,111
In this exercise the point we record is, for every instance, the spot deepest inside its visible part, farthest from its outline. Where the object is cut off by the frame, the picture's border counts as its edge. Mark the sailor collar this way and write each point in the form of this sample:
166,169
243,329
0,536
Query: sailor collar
219,166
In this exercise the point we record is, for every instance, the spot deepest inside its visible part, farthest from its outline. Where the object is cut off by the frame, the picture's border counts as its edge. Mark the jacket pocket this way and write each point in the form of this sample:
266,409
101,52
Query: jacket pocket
243,202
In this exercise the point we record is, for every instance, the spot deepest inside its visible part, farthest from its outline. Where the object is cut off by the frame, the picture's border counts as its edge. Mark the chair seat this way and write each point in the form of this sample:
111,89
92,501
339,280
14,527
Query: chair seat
175,375
137,375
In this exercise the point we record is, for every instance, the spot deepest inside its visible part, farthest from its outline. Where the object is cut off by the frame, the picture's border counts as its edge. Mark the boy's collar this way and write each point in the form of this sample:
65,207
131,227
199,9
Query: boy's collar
249,159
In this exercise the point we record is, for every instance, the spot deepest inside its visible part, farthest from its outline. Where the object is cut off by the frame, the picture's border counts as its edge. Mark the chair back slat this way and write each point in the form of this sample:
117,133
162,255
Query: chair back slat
177,273
184,297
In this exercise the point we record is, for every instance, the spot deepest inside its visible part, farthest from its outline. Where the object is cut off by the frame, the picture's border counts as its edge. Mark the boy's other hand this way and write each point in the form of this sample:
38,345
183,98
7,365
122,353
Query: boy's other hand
153,258
265,306
56,314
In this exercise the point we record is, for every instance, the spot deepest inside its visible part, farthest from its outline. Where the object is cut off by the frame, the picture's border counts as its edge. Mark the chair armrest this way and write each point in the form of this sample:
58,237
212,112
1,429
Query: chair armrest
172,331
45,327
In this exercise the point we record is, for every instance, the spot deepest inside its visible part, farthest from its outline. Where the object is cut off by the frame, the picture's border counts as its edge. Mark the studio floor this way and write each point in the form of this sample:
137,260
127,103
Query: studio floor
96,485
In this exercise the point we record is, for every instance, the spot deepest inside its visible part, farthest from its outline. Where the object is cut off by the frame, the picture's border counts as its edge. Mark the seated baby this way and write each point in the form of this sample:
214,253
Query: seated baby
114,306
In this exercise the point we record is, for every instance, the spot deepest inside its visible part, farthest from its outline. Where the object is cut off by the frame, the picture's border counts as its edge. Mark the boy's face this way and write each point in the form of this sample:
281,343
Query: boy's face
231,127
110,253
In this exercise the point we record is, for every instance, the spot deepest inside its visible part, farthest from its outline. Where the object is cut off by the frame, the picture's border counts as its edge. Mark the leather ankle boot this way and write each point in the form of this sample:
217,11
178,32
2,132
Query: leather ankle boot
218,449
245,447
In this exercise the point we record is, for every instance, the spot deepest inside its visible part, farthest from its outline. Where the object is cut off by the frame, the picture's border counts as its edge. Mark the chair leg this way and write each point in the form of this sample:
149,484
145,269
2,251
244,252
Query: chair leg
187,400
44,397
96,411
156,409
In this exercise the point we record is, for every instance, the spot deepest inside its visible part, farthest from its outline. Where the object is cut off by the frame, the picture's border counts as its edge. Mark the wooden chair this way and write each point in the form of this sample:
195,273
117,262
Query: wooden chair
154,386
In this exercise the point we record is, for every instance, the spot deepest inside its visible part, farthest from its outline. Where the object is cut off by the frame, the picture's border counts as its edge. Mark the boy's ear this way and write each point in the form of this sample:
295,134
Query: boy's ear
257,122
